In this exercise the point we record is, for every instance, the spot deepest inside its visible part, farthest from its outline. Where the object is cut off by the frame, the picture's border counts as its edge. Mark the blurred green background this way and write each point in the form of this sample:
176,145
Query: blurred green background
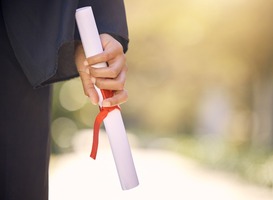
200,82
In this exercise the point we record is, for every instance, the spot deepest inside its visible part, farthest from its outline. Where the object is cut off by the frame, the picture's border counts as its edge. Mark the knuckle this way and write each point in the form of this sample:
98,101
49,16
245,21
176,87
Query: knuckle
126,94
113,73
106,56
125,68
93,71
119,46
120,85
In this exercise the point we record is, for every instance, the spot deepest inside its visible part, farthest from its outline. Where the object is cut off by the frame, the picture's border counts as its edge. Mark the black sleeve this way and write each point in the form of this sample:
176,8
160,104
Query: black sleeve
43,34
110,19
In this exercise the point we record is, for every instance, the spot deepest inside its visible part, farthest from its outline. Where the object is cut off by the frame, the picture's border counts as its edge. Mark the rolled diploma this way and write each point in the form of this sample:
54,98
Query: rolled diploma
113,122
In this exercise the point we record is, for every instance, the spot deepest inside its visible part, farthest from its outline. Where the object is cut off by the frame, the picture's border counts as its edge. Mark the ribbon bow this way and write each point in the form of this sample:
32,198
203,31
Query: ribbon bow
100,117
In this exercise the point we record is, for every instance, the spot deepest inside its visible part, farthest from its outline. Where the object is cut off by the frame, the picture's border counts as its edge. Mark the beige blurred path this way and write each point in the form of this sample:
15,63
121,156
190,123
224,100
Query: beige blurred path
162,175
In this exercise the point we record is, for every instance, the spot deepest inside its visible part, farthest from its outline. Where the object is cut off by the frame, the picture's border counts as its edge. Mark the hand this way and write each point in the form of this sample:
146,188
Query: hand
112,77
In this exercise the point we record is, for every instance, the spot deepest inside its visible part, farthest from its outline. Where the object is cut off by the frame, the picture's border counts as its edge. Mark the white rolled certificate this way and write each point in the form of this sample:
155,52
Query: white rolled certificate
113,122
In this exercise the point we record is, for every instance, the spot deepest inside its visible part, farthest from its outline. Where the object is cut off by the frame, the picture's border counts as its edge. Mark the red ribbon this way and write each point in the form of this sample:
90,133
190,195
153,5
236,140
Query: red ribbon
100,117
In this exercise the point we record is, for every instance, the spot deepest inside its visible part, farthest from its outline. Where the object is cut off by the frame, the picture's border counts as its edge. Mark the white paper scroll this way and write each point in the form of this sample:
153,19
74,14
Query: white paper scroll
113,122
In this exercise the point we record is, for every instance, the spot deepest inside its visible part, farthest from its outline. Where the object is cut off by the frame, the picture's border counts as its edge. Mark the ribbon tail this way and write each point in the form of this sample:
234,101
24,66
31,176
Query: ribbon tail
95,138
100,117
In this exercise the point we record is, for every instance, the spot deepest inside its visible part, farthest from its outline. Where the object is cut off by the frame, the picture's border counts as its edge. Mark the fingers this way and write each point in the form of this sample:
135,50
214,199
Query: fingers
113,76
118,98
113,83
105,56
88,87
86,78
112,55
115,66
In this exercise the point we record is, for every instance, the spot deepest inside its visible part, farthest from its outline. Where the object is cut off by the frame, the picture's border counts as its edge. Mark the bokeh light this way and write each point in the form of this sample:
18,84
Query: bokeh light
200,74
71,97
62,130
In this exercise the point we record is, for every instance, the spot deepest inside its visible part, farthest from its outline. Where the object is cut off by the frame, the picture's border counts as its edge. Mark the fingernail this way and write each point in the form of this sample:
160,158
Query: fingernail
92,99
106,104
93,80
85,63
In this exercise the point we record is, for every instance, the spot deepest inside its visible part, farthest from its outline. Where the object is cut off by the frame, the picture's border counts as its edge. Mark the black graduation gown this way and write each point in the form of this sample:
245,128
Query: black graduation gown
37,46
42,34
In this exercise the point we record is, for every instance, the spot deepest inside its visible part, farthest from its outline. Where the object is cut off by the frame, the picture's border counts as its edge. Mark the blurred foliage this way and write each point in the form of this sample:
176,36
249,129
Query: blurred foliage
72,111
252,163
180,50
197,69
